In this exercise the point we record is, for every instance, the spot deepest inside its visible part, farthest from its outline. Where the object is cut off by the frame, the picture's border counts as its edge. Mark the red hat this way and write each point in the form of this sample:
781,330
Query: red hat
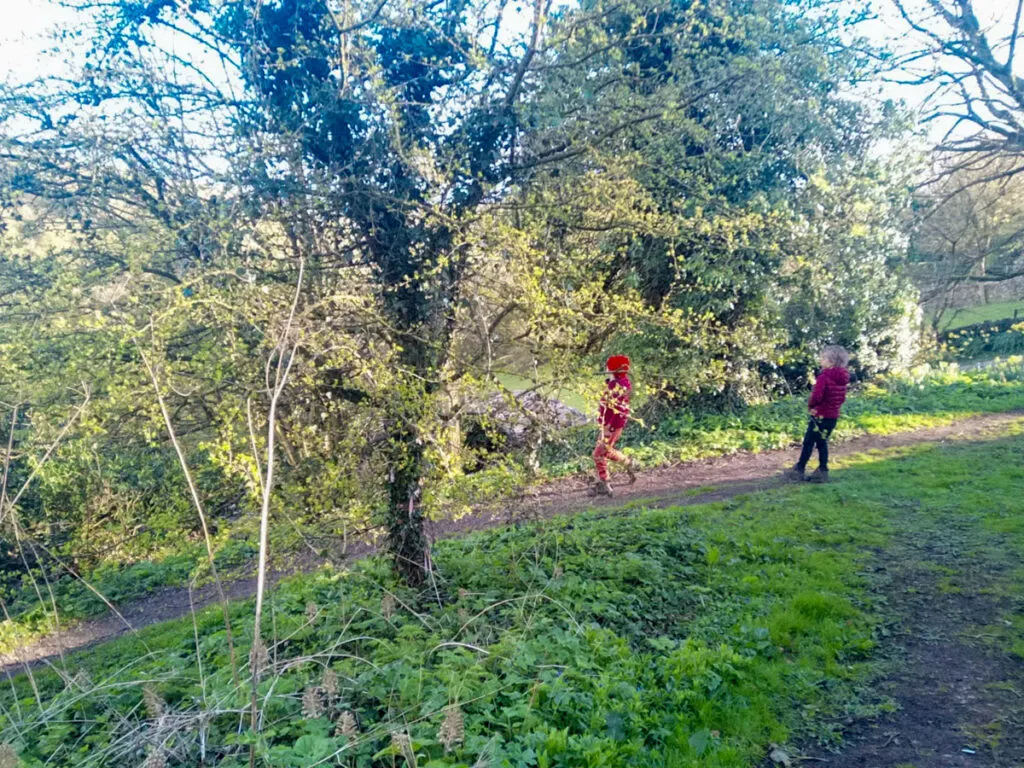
618,364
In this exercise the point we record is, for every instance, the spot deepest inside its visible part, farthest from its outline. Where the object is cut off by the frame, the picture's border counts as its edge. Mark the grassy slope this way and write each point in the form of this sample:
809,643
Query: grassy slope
981,314
660,638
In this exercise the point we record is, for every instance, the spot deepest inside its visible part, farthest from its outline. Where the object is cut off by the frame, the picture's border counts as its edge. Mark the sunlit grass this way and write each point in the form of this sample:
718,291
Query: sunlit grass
983,313
579,401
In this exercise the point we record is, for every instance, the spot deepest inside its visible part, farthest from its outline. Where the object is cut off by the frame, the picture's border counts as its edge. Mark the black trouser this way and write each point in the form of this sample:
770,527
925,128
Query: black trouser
817,434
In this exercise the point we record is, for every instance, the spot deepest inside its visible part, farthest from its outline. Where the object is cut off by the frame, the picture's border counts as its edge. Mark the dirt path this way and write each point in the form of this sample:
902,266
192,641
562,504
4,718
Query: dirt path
679,485
959,697
959,703
729,476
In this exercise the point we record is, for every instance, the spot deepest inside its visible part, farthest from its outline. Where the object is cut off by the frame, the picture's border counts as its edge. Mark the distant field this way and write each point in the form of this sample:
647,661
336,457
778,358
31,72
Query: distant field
998,311
570,398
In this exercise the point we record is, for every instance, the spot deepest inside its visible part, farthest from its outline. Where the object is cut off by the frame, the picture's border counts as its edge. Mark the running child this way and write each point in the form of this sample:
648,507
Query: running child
611,421
827,399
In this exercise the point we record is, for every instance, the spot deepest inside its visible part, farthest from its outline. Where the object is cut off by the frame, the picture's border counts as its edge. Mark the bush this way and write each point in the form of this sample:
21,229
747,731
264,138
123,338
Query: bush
983,340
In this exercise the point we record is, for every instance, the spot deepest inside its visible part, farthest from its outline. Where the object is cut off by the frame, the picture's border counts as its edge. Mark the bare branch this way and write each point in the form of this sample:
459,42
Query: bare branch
280,381
540,9
197,502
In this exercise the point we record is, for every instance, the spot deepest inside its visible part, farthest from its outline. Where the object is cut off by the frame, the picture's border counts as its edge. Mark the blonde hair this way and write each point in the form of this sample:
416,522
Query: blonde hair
835,356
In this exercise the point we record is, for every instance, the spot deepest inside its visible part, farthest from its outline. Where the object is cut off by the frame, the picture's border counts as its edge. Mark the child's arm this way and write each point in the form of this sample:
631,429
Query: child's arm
817,395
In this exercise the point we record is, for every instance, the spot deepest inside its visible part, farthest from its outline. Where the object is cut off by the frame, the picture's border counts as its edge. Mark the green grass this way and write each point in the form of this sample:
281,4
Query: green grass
516,383
953,319
32,619
652,638
76,601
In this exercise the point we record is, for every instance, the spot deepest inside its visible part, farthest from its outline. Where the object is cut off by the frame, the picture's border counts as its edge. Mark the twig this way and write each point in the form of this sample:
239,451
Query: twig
280,380
7,458
199,667
453,644
252,440
28,669
197,502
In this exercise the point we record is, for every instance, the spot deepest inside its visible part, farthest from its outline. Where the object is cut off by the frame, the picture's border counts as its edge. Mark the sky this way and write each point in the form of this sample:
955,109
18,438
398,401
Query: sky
23,26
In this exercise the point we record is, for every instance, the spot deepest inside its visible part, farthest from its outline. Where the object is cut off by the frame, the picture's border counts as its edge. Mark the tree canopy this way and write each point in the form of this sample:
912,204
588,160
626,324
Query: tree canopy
330,229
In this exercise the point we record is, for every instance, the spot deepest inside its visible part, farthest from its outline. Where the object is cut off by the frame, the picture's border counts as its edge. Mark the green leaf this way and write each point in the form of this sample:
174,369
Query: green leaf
700,741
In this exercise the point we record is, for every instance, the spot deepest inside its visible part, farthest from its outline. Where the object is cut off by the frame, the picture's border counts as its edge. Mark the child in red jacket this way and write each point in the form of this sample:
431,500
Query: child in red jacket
612,420
827,398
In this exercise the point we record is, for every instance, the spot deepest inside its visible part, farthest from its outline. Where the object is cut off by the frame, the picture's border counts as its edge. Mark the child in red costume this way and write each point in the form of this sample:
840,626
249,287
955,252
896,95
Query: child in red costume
612,420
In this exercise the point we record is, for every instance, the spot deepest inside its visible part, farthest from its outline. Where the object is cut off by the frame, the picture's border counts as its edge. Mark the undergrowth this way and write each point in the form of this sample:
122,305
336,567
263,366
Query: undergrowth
673,637
984,340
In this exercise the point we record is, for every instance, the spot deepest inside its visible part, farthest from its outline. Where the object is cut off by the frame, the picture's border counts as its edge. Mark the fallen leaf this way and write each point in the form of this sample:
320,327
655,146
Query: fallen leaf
779,756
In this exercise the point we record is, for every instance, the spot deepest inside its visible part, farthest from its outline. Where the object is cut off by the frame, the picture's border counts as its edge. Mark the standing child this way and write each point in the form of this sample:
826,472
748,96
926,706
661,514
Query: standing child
827,398
611,421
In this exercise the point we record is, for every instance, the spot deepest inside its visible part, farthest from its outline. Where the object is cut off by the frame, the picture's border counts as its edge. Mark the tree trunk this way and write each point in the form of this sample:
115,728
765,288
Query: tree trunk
407,542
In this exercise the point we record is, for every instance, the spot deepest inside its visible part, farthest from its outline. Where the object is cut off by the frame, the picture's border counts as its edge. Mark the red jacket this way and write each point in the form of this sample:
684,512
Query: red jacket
615,404
829,393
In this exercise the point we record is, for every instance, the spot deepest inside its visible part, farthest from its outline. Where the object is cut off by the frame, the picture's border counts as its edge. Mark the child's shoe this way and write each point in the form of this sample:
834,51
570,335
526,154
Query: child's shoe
794,473
603,488
631,470
818,476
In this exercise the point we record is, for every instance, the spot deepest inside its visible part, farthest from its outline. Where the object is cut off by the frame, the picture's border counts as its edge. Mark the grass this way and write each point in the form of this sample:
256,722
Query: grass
32,619
76,601
951,320
516,383
652,638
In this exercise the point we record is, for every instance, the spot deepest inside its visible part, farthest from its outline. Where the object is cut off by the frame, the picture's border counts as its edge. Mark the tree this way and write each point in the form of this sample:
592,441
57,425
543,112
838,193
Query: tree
969,236
736,205
465,196
376,144
970,62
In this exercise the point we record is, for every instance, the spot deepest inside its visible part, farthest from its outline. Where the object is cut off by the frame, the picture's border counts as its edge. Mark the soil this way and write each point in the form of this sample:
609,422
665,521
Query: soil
960,703
943,685
960,700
